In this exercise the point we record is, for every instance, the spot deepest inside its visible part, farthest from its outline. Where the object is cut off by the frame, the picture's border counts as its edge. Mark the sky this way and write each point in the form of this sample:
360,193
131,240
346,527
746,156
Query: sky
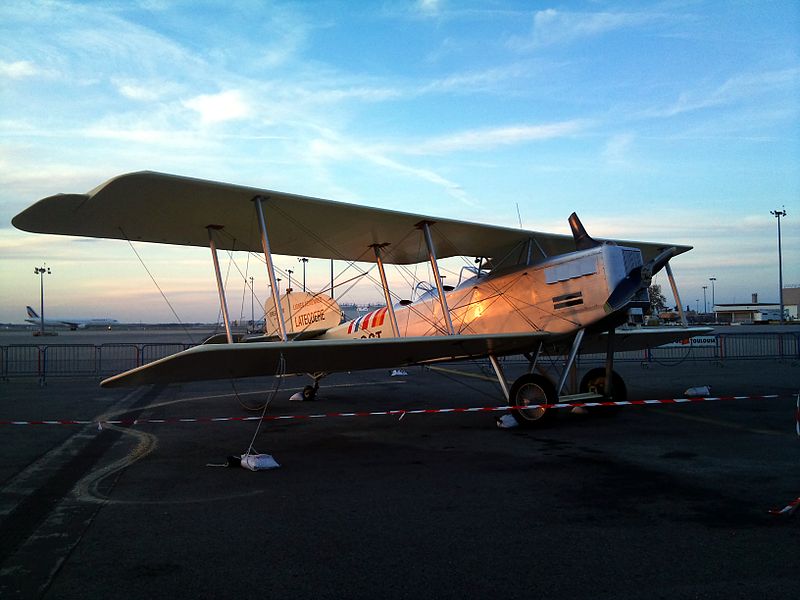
674,121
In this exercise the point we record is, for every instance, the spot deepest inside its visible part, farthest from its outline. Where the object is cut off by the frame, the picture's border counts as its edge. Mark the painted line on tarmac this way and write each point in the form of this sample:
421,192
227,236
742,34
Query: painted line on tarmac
47,523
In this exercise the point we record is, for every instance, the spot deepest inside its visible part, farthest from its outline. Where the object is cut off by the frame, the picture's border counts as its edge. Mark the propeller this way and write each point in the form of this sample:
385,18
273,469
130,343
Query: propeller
637,279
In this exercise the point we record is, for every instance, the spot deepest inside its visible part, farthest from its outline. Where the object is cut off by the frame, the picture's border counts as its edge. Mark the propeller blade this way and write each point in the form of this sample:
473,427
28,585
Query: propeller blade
637,279
625,290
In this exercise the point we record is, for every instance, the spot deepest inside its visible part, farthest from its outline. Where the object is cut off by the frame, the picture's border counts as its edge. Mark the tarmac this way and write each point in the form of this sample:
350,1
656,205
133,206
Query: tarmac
652,502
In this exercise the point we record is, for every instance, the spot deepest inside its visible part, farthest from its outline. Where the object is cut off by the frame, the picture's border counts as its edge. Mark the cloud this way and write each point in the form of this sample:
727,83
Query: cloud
18,69
617,148
551,27
217,108
330,146
484,139
143,90
472,81
734,89
428,7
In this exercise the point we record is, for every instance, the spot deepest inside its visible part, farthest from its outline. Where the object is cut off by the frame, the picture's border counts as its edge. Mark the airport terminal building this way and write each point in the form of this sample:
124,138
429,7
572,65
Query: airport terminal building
760,312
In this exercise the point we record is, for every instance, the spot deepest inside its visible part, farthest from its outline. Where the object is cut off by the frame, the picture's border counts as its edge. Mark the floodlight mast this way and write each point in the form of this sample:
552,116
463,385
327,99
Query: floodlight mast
713,298
41,271
252,306
303,260
778,214
705,304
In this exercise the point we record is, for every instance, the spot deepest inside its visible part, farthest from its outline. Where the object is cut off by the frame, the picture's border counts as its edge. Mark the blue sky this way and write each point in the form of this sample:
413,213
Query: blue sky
666,121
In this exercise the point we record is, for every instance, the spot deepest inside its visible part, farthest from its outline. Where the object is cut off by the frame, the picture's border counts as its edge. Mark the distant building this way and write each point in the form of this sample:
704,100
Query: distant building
761,312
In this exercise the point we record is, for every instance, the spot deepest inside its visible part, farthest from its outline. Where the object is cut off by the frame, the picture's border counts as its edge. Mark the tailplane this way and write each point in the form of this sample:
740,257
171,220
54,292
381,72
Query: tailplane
32,313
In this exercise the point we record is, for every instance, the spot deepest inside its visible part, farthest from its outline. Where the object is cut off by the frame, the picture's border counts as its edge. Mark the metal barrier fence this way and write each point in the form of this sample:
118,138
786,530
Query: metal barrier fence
721,347
62,360
74,360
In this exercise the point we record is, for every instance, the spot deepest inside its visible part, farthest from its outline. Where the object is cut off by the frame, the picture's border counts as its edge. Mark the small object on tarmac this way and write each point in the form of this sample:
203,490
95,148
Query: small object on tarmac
399,372
788,510
507,422
701,391
259,462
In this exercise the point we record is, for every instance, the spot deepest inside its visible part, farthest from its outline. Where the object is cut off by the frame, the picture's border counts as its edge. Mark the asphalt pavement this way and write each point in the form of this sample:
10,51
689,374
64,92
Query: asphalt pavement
653,502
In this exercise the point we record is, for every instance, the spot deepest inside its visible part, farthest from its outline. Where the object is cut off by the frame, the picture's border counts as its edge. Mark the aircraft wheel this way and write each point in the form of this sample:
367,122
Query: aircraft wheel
531,390
595,381
310,392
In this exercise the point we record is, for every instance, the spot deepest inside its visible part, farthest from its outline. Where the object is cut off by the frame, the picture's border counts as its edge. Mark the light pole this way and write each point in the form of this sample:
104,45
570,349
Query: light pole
705,304
713,298
41,271
304,261
252,306
278,282
289,289
778,214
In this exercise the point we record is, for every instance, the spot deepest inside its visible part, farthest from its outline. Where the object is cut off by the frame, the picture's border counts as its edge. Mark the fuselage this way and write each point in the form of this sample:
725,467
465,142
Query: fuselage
74,323
559,295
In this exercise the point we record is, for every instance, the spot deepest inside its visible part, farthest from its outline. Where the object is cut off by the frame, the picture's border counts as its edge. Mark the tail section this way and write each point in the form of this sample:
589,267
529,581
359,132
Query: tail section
304,314
32,313
583,241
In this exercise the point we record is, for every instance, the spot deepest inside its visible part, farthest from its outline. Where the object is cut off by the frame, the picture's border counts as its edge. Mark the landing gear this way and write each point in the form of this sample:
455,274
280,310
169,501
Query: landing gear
532,390
595,381
310,391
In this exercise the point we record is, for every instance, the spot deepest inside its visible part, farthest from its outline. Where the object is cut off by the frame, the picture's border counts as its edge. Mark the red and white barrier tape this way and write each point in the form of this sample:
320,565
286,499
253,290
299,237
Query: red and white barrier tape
792,506
797,415
397,412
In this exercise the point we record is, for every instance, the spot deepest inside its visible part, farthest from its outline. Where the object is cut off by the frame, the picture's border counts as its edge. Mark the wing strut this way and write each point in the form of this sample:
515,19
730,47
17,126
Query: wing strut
426,230
573,352
674,287
223,304
262,225
501,378
387,295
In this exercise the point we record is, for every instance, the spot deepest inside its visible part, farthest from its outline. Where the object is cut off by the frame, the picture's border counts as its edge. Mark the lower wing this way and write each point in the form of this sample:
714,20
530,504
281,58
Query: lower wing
229,361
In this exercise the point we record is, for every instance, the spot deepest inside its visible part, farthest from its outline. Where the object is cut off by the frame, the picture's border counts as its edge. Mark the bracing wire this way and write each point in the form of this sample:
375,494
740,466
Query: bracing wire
158,287
280,372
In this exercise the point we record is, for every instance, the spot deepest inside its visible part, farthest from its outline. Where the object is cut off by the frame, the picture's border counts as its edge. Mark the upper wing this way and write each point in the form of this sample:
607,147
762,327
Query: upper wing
169,209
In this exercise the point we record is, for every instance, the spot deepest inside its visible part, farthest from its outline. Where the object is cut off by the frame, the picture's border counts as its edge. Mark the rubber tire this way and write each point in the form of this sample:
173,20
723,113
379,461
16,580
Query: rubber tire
309,393
543,390
594,380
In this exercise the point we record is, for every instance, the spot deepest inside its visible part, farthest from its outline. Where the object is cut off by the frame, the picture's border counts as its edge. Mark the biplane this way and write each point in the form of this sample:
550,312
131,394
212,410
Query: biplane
530,293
